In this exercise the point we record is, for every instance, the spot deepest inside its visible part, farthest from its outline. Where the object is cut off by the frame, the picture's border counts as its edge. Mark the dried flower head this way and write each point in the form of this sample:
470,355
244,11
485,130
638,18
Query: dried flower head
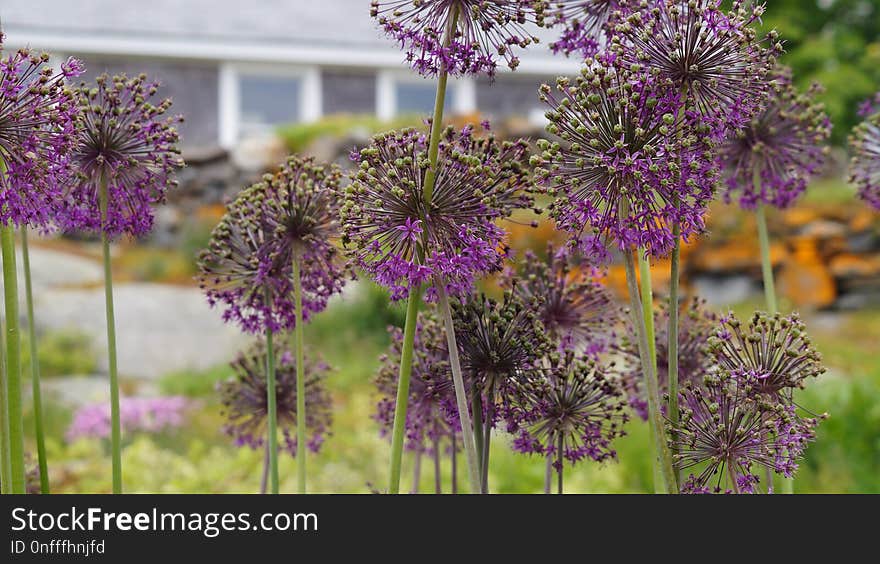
127,143
693,46
865,165
727,432
782,146
37,133
245,407
586,24
499,342
431,415
577,408
575,309
622,163
400,240
697,324
771,354
248,266
481,32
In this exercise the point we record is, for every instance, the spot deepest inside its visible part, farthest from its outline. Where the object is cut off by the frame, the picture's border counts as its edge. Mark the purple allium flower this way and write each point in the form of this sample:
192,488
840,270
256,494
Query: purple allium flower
865,165
500,344
432,415
621,150
484,30
577,405
128,143
696,326
724,429
693,46
771,354
244,403
37,134
402,242
586,23
575,309
783,146
248,265
149,415
870,106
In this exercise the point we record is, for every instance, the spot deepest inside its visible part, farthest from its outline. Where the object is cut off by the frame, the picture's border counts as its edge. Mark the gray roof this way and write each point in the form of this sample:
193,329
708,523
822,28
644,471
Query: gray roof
287,23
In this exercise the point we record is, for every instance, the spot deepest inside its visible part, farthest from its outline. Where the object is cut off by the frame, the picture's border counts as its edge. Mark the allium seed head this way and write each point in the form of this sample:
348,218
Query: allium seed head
128,143
37,134
245,407
865,165
621,153
586,23
482,32
576,310
248,265
402,242
577,404
783,146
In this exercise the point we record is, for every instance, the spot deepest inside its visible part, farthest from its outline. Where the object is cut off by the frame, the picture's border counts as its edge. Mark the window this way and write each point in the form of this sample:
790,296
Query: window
418,97
268,101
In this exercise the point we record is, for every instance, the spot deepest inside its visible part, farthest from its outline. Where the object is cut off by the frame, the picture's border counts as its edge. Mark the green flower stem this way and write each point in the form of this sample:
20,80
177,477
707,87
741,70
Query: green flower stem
5,468
673,330
487,440
477,412
115,425
417,472
766,264
398,431
35,365
300,378
639,318
559,461
272,411
548,475
470,449
13,363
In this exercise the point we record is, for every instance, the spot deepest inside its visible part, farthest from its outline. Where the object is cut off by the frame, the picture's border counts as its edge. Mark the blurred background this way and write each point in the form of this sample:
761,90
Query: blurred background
261,79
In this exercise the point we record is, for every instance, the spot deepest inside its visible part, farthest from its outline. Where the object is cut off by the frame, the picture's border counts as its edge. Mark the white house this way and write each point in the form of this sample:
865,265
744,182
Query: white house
234,67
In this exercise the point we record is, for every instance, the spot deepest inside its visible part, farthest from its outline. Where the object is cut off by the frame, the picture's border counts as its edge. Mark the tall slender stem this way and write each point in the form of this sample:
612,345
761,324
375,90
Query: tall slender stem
35,365
13,363
548,475
559,462
264,481
5,462
766,263
487,440
639,318
673,330
417,472
477,412
438,478
300,377
272,411
115,425
398,431
470,449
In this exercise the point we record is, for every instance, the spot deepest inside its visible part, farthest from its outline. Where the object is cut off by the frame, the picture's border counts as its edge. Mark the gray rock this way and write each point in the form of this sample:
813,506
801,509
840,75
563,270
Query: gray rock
717,290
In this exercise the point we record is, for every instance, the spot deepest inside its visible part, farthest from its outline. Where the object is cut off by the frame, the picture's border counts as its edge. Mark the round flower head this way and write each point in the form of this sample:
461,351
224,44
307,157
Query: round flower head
483,31
783,146
771,354
695,47
37,133
585,22
128,143
248,265
620,155
577,407
244,404
576,311
865,165
726,430
402,242
499,342
696,326
870,106
431,415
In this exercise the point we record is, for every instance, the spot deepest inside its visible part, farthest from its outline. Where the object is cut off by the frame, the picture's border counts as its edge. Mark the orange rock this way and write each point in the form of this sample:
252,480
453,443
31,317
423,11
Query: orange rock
800,216
805,279
863,220
850,265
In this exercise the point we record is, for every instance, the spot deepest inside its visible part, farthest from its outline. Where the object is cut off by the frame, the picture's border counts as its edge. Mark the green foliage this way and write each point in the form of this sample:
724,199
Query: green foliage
298,137
836,43
60,353
194,384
